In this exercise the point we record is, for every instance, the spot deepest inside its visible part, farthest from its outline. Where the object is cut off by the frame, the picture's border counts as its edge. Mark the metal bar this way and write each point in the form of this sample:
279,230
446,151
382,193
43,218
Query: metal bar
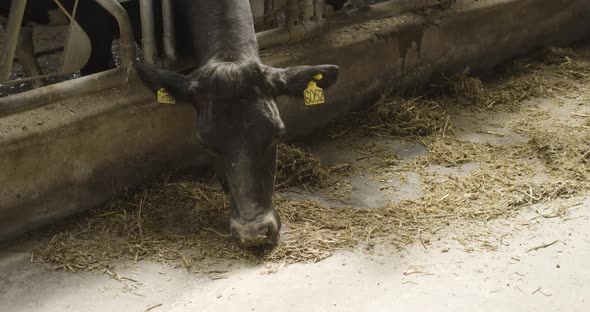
169,38
25,54
15,19
292,12
125,28
269,7
380,10
257,8
273,37
307,6
148,31
14,104
32,78
319,8
283,35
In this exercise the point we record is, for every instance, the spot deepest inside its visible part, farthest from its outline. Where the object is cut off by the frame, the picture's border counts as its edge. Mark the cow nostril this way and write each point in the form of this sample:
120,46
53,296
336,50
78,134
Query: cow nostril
264,230
254,235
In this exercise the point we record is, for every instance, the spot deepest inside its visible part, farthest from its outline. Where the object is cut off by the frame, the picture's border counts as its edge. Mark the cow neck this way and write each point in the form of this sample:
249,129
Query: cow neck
226,27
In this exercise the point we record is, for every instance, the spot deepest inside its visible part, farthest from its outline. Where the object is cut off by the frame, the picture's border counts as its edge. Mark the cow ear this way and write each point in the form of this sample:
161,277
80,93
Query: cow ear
294,80
178,86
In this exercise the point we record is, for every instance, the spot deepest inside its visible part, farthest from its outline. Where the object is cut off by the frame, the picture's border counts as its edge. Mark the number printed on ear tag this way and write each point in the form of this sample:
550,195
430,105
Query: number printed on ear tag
164,97
314,95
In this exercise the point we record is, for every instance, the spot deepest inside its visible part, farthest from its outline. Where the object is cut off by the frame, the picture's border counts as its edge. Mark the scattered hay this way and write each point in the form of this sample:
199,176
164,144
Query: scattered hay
170,222
316,231
552,72
547,73
565,62
451,152
374,158
394,116
298,167
460,89
185,222
180,222
494,190
555,149
567,156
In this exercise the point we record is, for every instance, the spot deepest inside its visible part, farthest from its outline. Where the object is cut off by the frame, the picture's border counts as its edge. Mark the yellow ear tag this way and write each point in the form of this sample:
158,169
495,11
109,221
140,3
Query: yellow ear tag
164,97
314,95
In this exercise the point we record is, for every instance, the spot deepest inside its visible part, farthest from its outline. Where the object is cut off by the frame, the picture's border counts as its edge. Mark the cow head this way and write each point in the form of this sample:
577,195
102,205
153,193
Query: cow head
239,123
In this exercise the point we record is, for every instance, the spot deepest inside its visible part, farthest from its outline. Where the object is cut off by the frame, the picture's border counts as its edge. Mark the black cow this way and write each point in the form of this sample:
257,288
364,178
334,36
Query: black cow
234,96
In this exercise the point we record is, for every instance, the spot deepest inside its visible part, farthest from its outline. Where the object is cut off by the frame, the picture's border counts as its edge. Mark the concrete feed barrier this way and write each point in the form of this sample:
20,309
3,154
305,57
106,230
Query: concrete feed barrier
75,154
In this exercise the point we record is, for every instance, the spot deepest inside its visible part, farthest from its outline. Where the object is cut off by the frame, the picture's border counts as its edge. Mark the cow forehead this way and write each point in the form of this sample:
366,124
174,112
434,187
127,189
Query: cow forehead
244,119
248,110
231,79
236,100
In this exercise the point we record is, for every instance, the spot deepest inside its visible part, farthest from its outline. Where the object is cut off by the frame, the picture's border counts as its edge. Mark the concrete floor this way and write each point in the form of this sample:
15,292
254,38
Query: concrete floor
443,277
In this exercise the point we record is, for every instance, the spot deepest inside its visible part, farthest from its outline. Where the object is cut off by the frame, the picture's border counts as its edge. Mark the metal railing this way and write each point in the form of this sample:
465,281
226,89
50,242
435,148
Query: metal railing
298,26
72,88
13,30
13,27
280,22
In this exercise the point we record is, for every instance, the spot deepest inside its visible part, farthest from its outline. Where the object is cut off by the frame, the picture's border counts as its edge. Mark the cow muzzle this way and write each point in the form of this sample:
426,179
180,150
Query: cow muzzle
263,233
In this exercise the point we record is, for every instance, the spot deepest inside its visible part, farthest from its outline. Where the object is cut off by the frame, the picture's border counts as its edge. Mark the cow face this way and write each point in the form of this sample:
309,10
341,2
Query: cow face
239,123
